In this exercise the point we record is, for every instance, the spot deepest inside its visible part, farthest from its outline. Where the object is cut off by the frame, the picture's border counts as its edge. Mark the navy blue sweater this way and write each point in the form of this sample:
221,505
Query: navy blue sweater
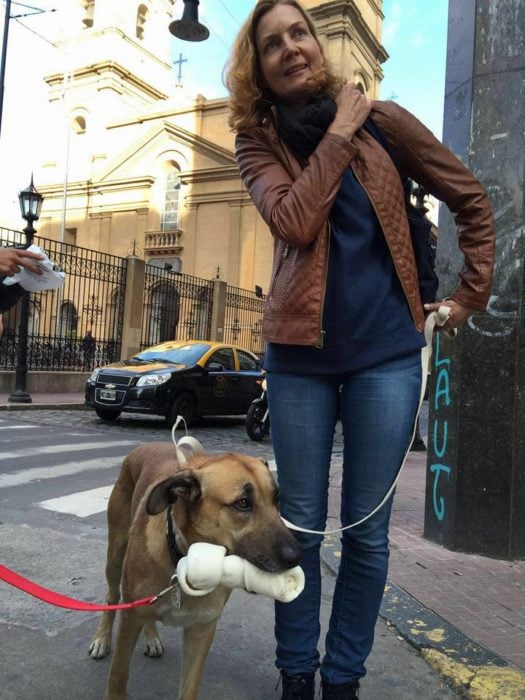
366,319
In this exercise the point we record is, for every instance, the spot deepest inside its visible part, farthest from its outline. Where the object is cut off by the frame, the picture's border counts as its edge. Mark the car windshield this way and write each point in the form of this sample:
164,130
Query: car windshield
181,354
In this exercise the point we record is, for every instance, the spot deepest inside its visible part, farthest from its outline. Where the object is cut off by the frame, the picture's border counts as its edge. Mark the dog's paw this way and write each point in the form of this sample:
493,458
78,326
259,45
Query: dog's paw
152,643
153,647
99,648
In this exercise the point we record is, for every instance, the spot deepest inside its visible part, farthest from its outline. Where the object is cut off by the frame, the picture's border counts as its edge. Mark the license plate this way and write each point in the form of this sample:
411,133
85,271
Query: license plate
108,394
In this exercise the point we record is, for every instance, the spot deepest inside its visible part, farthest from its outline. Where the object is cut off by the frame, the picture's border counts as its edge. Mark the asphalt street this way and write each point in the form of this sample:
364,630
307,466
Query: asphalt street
56,471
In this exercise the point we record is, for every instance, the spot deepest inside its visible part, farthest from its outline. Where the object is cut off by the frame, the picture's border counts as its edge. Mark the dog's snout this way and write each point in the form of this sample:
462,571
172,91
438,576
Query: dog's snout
290,553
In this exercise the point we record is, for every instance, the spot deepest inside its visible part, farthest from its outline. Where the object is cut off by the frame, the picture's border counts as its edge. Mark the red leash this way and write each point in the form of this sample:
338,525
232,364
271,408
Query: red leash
63,601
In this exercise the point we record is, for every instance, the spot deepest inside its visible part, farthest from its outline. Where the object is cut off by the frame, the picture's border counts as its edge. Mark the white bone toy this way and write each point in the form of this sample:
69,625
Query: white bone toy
206,566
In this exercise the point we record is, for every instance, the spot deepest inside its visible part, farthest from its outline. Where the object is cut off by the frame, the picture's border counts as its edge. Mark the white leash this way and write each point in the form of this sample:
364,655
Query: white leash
436,318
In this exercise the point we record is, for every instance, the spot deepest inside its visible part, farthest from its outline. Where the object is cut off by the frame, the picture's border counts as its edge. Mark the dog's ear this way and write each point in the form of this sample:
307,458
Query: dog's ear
184,485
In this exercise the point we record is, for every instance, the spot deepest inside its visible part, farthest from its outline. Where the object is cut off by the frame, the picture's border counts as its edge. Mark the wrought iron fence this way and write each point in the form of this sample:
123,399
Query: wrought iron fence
78,326
243,319
176,307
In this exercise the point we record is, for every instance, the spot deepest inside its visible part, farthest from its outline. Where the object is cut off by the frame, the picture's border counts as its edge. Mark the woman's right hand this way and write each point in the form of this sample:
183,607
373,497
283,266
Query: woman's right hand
352,110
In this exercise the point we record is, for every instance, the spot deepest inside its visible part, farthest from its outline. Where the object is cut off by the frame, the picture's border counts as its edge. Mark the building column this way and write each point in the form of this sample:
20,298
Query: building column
234,248
218,313
133,305
475,497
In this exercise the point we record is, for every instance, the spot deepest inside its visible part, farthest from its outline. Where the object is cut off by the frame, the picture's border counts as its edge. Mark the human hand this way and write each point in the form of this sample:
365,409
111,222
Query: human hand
11,259
458,314
352,109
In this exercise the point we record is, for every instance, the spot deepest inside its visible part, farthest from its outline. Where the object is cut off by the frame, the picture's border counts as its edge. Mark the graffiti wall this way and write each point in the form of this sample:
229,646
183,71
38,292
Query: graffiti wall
475,497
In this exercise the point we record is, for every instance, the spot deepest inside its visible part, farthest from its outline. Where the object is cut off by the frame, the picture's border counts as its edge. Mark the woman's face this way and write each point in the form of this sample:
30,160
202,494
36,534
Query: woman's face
288,54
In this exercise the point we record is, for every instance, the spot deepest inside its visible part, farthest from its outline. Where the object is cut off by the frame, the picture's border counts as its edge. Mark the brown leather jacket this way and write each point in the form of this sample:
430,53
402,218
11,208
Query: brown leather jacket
295,200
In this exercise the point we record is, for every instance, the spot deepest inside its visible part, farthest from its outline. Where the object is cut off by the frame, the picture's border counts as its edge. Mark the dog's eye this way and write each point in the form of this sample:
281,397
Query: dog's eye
243,504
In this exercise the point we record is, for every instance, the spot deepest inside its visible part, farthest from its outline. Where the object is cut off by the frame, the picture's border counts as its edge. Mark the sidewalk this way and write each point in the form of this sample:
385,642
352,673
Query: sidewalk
41,401
465,613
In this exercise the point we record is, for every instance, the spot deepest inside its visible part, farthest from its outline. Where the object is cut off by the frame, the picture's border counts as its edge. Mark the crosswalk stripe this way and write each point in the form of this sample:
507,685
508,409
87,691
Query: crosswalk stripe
81,504
25,476
16,427
56,449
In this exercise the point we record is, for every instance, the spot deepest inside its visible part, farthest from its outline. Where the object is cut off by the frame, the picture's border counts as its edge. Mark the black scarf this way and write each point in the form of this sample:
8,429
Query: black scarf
302,129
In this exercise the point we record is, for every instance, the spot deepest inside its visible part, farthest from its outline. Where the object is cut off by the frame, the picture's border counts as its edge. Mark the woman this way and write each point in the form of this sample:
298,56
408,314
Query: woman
343,316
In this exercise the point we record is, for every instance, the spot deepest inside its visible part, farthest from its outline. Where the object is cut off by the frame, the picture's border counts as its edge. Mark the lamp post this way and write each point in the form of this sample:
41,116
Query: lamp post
5,35
30,205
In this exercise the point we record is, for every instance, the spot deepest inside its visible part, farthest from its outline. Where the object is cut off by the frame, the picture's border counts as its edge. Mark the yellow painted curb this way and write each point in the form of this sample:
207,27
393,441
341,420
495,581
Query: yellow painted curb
478,682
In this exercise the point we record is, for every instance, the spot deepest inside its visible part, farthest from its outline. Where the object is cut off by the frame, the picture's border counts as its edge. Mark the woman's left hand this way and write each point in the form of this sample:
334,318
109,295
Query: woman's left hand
458,314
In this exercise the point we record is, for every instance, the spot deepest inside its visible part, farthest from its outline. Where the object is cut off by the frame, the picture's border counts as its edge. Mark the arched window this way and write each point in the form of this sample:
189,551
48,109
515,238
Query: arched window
114,314
68,319
170,215
361,82
89,11
79,125
142,16
165,307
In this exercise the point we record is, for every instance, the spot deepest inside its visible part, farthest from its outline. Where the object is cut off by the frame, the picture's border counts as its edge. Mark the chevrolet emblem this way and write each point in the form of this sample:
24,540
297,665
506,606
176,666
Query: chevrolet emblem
111,386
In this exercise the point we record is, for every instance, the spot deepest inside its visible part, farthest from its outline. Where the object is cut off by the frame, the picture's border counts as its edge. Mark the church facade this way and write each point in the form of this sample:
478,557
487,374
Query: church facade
151,173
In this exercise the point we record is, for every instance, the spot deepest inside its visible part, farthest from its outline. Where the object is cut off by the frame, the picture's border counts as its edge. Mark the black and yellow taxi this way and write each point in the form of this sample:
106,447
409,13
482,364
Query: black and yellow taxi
191,378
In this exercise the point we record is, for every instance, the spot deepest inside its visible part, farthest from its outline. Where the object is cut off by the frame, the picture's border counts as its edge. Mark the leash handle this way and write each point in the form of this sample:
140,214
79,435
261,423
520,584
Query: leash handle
191,442
436,318
63,601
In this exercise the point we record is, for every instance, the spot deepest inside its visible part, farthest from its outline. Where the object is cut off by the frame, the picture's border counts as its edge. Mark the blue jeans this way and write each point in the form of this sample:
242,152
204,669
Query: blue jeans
377,408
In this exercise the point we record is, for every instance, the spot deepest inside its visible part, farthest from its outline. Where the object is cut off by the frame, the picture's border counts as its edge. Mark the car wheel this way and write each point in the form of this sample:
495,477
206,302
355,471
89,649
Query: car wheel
184,406
256,426
107,413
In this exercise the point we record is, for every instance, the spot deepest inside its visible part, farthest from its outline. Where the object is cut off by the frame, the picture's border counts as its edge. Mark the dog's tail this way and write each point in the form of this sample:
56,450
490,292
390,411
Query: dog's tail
120,503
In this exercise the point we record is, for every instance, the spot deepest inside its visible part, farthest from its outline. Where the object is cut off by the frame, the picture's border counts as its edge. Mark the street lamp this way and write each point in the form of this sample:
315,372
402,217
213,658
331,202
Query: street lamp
189,28
30,206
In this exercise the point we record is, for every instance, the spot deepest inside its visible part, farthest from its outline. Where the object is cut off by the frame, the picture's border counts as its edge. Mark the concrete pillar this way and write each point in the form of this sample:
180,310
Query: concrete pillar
475,500
218,313
234,246
133,304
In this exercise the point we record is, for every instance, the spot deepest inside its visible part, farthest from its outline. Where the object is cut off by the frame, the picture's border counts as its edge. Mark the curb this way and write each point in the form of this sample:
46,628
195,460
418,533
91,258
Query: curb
41,406
470,669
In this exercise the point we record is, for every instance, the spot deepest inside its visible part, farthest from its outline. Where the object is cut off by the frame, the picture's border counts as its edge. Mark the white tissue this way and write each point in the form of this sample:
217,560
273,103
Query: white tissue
31,281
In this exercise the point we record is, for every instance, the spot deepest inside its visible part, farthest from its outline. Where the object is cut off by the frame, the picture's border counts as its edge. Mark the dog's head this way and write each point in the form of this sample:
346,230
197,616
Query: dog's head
231,500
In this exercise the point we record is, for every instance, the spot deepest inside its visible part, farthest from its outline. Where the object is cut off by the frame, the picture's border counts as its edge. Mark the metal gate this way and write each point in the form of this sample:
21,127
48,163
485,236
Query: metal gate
176,307
243,321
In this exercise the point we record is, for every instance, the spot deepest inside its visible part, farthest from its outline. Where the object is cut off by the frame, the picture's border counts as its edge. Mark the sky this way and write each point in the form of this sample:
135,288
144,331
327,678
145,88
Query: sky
414,35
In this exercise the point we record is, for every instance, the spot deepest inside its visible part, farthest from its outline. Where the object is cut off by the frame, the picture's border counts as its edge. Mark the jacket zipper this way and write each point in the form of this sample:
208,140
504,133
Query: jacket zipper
388,246
320,342
284,255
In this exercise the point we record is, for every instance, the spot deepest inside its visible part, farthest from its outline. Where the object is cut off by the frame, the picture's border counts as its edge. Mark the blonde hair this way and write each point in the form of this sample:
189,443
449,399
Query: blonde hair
250,99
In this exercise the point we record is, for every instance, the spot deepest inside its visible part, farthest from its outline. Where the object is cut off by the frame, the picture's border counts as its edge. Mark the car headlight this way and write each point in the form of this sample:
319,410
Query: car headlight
94,375
153,379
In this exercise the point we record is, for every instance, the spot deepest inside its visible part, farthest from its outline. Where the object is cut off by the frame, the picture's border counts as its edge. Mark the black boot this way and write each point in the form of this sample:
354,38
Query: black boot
347,691
299,687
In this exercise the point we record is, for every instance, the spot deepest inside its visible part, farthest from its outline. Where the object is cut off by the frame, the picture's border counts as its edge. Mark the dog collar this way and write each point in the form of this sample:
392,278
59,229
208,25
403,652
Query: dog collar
173,548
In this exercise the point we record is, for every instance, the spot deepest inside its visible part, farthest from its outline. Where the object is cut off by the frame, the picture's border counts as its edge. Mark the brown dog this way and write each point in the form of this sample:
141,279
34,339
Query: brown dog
226,499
